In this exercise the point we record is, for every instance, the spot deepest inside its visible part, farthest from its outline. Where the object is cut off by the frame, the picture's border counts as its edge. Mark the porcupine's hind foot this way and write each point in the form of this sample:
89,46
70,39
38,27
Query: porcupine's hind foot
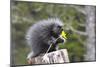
30,58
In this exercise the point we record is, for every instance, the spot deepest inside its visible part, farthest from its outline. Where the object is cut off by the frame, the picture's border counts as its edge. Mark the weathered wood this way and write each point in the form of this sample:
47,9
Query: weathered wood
60,56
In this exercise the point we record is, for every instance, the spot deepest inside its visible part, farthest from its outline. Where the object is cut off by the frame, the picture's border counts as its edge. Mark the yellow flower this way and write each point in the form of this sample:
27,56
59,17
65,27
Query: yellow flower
63,34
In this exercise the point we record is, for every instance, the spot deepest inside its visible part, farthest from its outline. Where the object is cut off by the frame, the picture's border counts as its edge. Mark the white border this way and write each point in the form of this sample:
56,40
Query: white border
4,33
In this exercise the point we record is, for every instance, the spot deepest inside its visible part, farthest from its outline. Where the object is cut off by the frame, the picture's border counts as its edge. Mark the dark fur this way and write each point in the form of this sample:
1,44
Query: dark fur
42,34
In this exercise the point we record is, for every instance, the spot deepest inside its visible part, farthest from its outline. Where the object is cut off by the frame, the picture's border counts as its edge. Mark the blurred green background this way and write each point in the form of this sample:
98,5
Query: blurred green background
24,14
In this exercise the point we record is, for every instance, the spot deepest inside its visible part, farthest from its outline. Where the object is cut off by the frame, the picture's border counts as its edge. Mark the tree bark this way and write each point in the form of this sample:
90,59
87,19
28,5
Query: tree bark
90,30
60,56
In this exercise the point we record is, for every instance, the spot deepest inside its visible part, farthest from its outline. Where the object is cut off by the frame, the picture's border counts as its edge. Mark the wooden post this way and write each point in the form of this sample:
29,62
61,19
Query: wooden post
59,56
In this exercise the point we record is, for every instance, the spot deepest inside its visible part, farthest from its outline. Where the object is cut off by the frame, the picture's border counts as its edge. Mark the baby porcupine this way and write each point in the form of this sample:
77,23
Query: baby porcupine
42,34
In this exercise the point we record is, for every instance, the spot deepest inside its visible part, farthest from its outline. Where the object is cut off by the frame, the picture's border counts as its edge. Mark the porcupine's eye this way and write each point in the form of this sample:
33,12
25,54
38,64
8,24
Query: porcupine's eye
59,26
57,29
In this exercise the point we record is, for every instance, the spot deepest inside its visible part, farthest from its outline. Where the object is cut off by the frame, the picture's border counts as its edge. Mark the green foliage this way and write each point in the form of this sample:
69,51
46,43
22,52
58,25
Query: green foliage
24,14
21,57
